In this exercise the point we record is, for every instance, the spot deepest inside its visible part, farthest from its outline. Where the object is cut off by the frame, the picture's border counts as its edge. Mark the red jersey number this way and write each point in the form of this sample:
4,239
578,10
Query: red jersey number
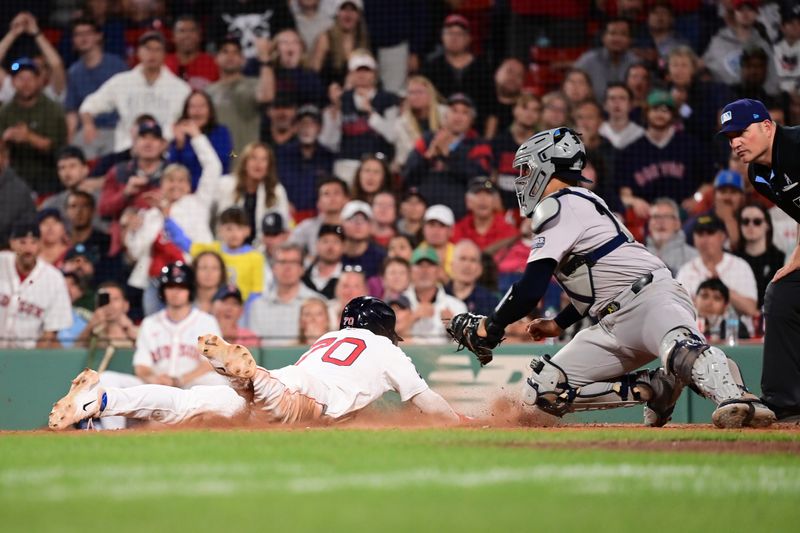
338,359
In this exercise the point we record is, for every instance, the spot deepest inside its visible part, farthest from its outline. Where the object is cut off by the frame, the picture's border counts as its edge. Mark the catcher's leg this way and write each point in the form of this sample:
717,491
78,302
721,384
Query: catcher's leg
693,362
549,389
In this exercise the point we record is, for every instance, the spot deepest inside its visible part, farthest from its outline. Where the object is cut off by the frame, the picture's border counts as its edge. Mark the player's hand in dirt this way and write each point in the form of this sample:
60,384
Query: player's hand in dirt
543,328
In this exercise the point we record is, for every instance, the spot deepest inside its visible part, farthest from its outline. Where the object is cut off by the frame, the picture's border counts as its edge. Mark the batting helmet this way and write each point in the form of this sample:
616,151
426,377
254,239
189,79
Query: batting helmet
557,151
177,274
370,313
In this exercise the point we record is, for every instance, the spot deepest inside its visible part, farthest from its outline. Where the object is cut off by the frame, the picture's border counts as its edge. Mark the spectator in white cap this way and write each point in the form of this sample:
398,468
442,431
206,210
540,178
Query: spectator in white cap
437,230
430,304
360,120
359,250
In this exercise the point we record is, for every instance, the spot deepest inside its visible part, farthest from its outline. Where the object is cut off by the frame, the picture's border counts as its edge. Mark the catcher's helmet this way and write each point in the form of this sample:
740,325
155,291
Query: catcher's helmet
177,274
557,151
370,313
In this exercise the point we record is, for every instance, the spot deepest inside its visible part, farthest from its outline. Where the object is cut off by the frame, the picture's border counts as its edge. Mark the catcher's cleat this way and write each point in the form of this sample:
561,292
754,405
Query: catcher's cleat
84,400
742,412
228,359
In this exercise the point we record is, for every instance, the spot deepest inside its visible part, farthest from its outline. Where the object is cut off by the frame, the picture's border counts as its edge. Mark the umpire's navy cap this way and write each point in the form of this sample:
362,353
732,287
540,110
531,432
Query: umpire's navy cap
737,115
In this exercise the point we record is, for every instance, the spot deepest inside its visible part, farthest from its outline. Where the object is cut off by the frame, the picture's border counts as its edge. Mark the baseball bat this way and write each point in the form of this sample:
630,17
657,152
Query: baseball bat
109,353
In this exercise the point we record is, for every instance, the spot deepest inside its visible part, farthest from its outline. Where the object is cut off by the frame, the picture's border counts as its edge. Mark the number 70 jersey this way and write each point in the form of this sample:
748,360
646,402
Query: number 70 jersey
346,370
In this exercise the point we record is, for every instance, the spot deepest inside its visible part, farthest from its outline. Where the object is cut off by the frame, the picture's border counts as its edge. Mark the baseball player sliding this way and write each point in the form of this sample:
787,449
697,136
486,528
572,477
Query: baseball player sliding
341,373
642,312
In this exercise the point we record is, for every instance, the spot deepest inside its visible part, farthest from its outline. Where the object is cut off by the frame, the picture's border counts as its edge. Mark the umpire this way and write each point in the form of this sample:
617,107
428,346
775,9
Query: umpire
772,153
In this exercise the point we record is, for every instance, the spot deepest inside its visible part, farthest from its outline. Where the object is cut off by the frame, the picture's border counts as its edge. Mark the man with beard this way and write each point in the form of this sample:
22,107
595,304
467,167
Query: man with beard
34,301
508,82
34,128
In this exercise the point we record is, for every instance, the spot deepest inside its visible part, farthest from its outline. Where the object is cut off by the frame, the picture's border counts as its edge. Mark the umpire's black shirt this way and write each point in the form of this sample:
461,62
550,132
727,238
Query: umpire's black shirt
781,182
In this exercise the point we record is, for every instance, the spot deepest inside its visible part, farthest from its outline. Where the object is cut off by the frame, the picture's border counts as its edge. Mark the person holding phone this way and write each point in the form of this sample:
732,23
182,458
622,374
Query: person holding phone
109,323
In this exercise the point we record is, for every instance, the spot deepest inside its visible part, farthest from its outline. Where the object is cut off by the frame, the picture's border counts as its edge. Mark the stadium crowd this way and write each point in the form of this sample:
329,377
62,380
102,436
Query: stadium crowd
299,153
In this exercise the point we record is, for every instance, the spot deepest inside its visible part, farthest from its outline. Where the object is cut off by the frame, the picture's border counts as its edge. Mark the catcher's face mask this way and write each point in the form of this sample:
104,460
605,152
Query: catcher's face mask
538,159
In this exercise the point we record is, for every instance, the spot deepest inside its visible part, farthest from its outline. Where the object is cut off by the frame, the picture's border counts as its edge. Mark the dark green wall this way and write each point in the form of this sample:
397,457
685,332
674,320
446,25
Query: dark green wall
31,380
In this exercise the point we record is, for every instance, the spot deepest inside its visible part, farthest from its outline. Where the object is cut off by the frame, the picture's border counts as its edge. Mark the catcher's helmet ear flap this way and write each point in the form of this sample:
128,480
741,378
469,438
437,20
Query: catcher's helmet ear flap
176,274
370,313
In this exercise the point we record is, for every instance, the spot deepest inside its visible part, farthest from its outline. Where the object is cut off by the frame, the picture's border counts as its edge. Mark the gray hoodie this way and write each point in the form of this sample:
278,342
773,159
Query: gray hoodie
723,54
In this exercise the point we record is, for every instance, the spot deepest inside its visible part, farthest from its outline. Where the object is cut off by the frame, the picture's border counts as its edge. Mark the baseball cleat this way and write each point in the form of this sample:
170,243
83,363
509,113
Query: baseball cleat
83,401
227,359
742,412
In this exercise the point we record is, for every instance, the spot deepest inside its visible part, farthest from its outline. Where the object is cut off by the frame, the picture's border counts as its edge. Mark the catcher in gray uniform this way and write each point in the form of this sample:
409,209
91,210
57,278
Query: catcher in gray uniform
641,312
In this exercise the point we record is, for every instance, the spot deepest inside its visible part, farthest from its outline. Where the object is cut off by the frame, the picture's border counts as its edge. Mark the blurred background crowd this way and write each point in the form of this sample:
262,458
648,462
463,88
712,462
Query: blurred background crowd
299,153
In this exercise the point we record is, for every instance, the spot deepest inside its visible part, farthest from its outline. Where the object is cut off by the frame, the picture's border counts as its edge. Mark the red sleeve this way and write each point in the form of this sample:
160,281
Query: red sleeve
420,146
483,154
112,199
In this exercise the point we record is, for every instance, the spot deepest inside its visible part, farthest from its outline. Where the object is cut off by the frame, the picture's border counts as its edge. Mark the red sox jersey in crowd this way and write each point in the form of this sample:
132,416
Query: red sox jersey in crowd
171,347
31,306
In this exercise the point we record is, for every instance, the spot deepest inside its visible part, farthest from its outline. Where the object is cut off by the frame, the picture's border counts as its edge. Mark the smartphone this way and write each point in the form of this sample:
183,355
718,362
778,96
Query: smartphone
103,299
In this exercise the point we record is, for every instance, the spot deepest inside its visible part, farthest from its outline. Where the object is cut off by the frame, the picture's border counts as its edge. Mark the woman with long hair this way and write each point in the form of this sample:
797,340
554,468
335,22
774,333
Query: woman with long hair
372,177
210,274
577,87
756,247
254,186
333,48
422,111
199,109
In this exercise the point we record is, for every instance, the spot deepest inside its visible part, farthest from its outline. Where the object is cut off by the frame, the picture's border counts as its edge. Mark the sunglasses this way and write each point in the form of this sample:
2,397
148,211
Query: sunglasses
754,221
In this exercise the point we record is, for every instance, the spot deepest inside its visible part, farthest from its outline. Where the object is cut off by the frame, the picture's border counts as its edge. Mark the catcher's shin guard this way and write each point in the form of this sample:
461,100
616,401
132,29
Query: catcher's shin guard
716,377
548,389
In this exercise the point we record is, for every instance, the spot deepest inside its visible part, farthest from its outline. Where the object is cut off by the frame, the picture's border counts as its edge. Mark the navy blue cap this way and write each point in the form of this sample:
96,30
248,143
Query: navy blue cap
272,224
228,291
737,115
150,127
23,63
47,213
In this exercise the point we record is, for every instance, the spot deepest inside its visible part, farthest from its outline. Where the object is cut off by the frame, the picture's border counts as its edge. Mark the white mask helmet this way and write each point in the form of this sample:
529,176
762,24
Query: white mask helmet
545,153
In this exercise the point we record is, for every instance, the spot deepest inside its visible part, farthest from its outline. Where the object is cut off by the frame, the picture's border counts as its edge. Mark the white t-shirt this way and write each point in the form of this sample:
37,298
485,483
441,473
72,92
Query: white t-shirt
787,64
30,307
432,329
579,228
346,370
733,271
171,347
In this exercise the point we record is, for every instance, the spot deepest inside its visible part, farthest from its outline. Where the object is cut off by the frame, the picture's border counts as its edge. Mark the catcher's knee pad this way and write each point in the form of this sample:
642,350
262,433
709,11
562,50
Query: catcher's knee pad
548,387
706,367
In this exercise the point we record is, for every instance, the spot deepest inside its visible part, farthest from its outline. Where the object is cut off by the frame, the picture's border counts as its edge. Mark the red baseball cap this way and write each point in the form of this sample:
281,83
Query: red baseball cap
740,3
456,20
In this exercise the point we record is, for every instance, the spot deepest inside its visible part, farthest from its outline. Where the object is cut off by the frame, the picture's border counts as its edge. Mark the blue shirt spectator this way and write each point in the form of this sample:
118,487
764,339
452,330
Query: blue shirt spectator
83,80
199,109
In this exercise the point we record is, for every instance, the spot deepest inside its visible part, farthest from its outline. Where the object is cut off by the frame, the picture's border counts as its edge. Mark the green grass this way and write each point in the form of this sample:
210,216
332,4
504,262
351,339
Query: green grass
395,480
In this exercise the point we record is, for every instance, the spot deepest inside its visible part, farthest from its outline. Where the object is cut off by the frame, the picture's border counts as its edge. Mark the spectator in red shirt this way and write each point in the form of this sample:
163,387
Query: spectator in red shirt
484,225
189,62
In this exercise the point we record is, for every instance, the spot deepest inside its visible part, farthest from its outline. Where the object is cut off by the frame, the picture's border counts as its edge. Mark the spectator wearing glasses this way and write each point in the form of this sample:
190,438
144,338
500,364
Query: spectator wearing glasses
756,246
275,315
665,239
324,272
358,247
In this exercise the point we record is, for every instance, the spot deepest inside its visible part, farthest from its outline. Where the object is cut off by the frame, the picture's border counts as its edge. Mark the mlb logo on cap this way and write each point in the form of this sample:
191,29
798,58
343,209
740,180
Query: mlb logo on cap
739,114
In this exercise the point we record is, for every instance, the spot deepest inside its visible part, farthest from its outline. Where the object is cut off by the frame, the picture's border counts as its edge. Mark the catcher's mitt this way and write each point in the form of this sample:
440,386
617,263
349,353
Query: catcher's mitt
463,328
